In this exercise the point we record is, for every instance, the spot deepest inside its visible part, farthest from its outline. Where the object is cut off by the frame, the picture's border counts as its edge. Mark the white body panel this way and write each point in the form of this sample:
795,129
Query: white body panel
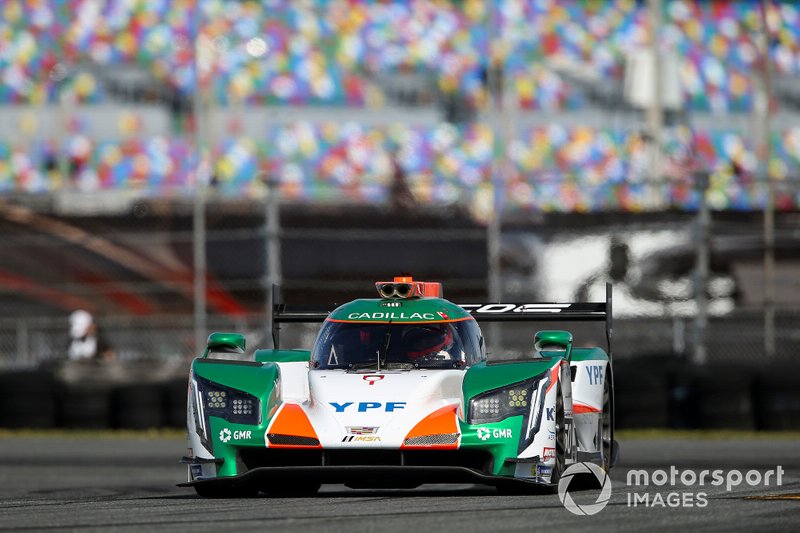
588,402
294,381
391,401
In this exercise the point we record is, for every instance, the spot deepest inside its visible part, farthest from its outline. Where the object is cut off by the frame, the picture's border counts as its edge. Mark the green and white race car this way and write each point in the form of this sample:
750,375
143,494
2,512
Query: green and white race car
396,392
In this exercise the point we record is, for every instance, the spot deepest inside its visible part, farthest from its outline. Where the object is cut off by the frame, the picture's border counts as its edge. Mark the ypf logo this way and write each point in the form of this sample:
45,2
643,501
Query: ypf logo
225,435
590,508
484,433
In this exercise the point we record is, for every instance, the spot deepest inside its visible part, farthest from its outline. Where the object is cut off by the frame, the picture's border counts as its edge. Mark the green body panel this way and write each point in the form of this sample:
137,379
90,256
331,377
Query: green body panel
502,441
589,354
553,337
258,380
282,356
225,342
399,310
227,450
482,377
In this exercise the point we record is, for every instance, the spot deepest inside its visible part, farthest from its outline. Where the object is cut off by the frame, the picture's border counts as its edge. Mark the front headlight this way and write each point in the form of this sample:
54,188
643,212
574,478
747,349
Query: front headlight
499,404
230,404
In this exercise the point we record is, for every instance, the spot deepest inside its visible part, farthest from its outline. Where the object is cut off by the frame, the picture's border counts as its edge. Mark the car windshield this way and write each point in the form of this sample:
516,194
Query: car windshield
361,345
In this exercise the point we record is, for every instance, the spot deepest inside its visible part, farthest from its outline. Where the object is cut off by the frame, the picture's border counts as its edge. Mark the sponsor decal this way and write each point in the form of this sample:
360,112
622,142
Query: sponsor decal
495,433
590,508
514,308
372,378
551,435
363,407
362,430
361,438
197,471
548,453
443,315
393,315
226,435
551,413
391,304
540,470
595,374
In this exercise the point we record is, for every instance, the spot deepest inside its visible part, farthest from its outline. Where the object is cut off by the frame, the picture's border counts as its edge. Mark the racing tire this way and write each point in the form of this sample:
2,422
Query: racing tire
561,439
605,427
300,490
218,492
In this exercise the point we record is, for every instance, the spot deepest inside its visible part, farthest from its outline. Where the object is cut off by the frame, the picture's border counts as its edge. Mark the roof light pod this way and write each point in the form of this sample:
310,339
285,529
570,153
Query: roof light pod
406,287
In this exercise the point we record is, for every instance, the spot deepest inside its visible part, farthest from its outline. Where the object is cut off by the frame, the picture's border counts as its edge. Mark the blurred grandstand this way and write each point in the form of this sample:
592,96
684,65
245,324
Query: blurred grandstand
113,114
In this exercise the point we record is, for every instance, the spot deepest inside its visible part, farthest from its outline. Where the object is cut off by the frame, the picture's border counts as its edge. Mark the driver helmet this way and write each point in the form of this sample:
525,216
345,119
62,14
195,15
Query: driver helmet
424,341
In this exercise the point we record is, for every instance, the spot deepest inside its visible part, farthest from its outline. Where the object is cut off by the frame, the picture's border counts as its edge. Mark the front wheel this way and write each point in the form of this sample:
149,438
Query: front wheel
605,426
561,438
217,491
294,490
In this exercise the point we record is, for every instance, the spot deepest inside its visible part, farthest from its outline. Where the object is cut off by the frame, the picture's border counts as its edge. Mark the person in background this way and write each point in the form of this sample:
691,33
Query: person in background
84,341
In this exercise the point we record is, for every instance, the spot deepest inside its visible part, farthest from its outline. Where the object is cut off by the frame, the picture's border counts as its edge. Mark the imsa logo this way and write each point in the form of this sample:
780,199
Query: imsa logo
361,438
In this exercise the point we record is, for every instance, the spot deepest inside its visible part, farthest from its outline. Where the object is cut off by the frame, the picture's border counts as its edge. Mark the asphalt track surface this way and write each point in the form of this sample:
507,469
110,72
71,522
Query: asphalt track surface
128,483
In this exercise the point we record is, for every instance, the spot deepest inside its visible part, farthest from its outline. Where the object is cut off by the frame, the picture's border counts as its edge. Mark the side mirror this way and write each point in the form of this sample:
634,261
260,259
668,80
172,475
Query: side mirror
555,342
225,342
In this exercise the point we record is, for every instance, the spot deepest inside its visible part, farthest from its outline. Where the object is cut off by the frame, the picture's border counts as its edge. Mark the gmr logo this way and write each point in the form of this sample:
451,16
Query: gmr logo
497,433
363,407
225,435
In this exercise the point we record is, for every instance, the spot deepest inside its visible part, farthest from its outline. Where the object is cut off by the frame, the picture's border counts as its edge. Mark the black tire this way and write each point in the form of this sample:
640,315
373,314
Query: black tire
175,393
298,490
138,406
217,491
561,438
27,399
85,407
605,430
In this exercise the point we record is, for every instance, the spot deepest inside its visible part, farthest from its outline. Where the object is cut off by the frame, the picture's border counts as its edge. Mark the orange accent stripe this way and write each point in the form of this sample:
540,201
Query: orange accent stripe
441,421
579,409
553,377
398,322
292,420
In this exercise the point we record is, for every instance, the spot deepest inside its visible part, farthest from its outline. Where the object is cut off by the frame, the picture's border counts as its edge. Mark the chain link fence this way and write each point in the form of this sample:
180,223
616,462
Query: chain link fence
133,270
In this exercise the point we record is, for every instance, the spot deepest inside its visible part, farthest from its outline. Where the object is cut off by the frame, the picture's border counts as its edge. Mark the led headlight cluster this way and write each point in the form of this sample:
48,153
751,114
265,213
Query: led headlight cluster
518,398
243,406
230,404
499,404
216,399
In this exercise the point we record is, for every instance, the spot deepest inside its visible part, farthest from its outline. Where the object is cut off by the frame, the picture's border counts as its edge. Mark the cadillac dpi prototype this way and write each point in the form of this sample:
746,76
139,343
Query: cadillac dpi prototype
396,392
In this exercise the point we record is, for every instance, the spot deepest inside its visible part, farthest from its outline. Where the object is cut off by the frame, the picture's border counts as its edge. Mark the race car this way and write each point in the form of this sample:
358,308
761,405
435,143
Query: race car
396,392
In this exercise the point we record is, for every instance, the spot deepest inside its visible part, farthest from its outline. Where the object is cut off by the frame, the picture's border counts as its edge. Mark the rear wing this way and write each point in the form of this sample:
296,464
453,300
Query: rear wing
482,312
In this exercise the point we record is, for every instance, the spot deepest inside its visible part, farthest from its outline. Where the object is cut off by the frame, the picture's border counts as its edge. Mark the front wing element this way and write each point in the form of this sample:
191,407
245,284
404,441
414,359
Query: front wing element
376,476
